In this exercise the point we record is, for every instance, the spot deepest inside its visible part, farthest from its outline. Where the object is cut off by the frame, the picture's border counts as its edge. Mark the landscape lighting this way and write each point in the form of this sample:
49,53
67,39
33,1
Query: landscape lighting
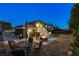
29,30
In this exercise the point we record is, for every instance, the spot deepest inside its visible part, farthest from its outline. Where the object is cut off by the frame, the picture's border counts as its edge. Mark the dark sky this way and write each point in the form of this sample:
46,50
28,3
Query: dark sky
57,14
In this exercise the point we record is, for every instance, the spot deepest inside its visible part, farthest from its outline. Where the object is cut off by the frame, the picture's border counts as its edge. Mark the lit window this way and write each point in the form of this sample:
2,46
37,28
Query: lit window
46,26
49,26
20,35
13,30
23,27
37,24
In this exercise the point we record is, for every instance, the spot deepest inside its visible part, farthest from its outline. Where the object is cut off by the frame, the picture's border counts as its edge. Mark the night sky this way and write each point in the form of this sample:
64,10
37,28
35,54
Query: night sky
56,14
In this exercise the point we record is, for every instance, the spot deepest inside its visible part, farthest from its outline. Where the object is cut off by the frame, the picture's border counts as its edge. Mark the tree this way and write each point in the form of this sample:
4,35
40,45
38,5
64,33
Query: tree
74,26
5,25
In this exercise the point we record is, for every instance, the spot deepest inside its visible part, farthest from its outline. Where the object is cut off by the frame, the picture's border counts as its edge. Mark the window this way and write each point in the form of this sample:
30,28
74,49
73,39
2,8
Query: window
49,26
46,26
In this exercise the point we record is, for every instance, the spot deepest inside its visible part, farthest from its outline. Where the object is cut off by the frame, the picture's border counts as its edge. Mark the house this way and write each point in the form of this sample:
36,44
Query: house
46,25
20,31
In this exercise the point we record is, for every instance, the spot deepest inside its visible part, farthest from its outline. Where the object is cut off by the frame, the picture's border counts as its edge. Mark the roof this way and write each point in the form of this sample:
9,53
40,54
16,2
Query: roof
40,22
19,27
33,22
